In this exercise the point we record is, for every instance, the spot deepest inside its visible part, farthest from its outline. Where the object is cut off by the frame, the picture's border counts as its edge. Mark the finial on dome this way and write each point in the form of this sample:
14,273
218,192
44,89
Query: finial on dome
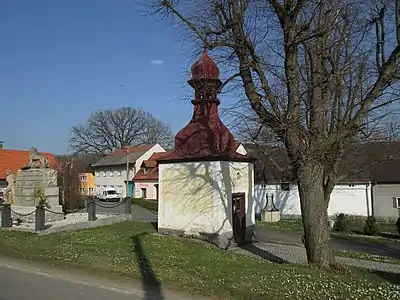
205,67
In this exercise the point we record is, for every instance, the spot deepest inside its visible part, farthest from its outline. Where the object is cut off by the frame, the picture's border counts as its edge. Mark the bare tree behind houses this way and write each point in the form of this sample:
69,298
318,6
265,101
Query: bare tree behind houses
108,129
317,73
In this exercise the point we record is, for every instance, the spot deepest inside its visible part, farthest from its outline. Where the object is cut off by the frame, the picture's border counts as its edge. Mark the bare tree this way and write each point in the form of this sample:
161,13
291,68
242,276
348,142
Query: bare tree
317,73
71,167
118,128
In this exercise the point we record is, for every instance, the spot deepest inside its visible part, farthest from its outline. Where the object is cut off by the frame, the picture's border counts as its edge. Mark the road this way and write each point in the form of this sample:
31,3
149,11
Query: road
139,213
21,280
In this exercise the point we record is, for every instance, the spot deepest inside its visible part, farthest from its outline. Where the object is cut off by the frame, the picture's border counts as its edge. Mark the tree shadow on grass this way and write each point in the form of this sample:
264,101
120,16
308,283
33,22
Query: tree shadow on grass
261,253
349,243
151,285
390,277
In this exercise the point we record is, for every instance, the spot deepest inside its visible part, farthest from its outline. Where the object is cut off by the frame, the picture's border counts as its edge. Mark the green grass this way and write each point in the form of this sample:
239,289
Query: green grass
189,265
149,204
387,232
295,226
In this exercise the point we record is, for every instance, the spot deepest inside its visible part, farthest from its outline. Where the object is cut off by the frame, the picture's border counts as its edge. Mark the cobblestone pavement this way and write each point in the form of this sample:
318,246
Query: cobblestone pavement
295,254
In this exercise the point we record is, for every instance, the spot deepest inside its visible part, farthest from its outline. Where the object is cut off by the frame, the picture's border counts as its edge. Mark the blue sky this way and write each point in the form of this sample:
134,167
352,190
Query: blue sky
62,59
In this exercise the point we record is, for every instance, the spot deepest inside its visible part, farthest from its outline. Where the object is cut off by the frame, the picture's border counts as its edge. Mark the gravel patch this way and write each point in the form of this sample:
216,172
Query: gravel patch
297,255
74,218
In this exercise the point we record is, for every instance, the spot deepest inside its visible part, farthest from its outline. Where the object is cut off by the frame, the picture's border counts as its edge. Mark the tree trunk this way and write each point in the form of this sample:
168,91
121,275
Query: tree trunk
314,210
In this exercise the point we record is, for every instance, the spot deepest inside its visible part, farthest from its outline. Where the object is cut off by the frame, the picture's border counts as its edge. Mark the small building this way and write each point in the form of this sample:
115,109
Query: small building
15,160
117,169
374,189
146,179
385,180
205,184
87,184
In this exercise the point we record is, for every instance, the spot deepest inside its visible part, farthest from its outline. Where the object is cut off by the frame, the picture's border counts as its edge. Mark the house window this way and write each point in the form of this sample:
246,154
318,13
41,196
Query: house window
103,173
97,174
82,190
145,171
144,193
109,174
83,178
396,202
118,173
91,191
351,185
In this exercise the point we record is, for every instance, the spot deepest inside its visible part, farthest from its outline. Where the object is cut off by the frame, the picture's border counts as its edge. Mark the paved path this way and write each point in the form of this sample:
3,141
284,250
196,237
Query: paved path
139,213
294,254
297,254
346,243
21,280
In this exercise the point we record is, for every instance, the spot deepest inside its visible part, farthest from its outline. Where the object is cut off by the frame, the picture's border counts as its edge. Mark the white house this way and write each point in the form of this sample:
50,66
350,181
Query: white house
274,182
119,167
353,199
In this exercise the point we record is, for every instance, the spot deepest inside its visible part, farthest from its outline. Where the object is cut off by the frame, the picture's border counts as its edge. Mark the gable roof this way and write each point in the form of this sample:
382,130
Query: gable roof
118,157
16,159
378,162
152,165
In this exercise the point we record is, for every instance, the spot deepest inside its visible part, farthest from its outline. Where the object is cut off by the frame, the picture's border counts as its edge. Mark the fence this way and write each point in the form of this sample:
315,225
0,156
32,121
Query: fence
40,211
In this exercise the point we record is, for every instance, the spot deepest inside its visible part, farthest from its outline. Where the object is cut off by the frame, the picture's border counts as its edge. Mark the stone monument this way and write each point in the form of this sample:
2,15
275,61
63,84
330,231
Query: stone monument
8,192
36,184
270,213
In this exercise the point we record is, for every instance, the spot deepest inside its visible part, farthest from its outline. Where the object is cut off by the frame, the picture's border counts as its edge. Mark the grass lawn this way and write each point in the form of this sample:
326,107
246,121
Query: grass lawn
150,204
387,234
295,226
129,250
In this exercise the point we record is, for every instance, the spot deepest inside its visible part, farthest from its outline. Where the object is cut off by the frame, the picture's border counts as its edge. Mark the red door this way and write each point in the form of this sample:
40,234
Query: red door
239,217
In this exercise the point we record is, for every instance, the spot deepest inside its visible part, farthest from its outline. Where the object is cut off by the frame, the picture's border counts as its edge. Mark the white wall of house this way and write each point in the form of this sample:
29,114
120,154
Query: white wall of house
354,200
241,150
149,186
155,149
115,176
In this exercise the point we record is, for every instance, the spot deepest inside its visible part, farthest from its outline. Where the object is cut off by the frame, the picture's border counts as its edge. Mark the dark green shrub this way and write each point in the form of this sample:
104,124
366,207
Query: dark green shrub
398,225
370,226
341,223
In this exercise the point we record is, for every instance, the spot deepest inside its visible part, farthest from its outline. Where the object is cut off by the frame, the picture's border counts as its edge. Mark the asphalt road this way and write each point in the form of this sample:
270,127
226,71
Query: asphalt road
20,281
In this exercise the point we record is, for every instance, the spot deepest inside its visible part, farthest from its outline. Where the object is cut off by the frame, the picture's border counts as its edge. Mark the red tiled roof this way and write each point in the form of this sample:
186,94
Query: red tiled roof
16,159
151,163
131,149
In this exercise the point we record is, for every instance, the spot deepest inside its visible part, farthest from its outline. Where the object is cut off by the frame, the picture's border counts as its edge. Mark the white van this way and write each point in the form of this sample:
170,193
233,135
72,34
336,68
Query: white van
109,194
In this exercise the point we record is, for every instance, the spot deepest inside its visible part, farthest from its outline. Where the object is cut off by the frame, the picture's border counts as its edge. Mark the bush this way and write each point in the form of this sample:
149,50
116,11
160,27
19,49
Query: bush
341,223
370,227
398,225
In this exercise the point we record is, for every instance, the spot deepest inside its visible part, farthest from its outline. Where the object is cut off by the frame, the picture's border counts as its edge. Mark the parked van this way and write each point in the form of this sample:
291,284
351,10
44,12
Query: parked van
109,194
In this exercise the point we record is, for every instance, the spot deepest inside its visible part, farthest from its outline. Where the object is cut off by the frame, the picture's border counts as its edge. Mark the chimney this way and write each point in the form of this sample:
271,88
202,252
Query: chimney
1,144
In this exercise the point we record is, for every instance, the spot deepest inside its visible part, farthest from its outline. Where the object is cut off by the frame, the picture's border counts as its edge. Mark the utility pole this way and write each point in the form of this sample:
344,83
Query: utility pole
127,170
